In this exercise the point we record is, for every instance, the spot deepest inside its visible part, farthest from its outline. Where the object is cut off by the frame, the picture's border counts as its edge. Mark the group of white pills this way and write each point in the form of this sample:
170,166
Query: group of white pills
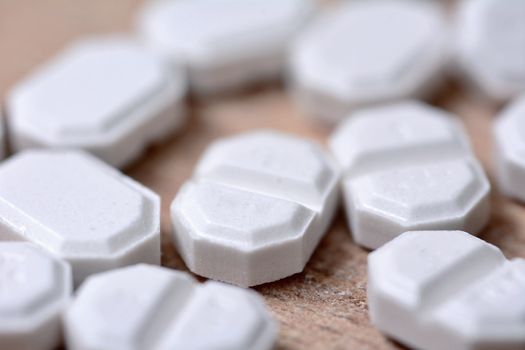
227,44
80,209
258,203
150,307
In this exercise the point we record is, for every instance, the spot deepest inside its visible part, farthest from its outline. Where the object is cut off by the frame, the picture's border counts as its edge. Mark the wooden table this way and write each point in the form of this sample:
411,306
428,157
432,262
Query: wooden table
325,306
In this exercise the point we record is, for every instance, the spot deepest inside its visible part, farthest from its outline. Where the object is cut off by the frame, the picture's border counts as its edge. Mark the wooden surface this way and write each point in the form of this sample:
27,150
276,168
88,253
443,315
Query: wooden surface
325,306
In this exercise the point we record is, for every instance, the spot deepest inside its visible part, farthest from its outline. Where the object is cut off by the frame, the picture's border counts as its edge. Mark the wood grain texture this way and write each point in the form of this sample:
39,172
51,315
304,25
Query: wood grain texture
325,306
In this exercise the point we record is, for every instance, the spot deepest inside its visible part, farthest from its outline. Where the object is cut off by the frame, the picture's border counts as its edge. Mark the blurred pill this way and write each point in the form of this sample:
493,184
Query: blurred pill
2,138
509,149
366,52
224,44
109,96
491,46
35,288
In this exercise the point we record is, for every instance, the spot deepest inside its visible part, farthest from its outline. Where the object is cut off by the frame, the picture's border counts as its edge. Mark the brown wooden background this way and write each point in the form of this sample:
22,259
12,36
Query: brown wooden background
325,306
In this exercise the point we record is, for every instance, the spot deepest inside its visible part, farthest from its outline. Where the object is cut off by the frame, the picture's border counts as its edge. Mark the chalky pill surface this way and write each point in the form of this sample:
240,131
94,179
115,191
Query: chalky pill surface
491,46
108,96
447,290
225,44
256,207
408,166
368,52
34,290
509,148
396,134
80,209
148,307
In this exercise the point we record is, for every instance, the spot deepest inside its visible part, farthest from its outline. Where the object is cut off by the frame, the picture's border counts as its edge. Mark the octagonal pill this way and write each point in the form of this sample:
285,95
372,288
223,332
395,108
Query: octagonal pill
447,289
368,52
79,209
109,96
408,166
239,236
491,46
256,208
149,307
224,44
509,149
34,290
442,195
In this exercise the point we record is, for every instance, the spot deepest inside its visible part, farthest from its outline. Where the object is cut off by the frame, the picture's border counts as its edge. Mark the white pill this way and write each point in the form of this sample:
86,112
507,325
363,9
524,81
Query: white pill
396,134
408,166
368,52
491,46
34,290
153,308
2,138
509,150
108,96
225,44
256,208
447,290
442,195
80,209
276,164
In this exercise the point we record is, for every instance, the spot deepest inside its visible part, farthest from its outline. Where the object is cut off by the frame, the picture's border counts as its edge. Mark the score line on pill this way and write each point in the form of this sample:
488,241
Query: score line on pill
447,290
145,307
80,209
256,207
109,96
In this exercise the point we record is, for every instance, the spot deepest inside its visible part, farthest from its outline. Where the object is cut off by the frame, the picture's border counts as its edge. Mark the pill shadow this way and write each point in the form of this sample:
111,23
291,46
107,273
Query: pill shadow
326,302
505,225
